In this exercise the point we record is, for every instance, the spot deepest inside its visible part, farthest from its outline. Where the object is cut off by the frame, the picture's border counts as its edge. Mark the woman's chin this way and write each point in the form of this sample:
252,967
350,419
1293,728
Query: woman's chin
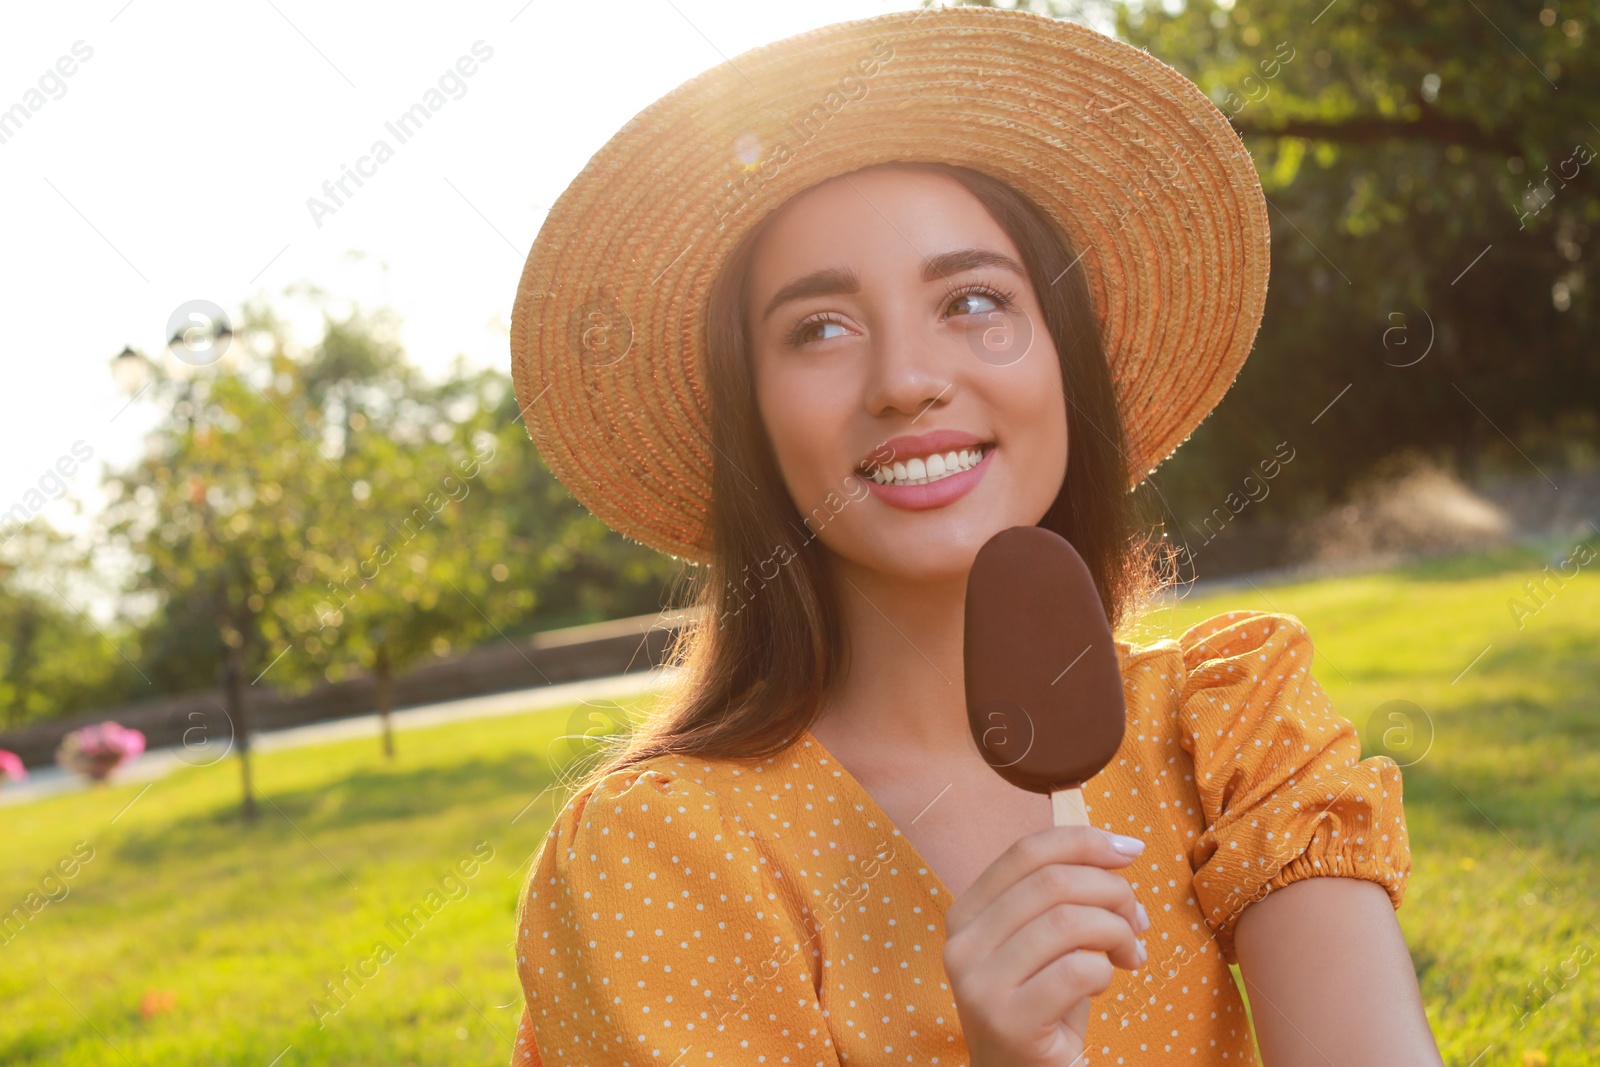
929,556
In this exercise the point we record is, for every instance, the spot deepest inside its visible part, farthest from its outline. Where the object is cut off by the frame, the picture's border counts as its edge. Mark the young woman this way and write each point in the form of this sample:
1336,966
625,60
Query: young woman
831,380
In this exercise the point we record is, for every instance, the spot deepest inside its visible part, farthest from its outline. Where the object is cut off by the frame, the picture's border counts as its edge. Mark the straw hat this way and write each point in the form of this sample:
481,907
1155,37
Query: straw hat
1126,155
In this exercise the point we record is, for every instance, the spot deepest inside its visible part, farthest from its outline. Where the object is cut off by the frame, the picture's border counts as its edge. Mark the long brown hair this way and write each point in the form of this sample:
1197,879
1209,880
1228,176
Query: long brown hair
753,677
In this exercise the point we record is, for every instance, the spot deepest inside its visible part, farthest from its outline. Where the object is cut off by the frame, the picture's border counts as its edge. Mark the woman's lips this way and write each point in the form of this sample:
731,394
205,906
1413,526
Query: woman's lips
932,494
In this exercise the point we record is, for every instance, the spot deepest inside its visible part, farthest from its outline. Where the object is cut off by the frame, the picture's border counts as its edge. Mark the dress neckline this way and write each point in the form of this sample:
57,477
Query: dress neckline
875,813
1127,652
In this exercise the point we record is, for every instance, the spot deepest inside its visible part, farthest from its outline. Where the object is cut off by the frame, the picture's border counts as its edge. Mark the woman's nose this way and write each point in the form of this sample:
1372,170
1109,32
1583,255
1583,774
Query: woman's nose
910,371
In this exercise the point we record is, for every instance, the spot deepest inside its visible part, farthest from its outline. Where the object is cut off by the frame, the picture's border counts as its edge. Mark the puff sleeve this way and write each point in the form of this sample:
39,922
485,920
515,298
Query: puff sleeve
1279,773
653,931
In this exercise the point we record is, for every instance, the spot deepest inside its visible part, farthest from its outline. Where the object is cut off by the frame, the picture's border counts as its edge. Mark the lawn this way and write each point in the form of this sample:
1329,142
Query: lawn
183,937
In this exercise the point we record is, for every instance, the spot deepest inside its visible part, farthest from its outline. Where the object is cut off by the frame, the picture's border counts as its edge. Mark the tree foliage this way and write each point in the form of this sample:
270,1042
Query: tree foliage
53,656
310,515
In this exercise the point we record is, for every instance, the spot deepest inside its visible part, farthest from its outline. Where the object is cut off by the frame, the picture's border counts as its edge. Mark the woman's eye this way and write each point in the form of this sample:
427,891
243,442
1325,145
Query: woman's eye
816,330
972,304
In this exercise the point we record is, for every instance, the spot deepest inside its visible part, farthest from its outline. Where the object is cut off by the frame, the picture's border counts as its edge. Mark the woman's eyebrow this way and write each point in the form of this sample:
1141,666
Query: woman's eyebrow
944,264
823,282
831,280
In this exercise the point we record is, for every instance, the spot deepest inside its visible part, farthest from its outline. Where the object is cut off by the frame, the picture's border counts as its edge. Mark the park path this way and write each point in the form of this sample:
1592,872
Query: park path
158,763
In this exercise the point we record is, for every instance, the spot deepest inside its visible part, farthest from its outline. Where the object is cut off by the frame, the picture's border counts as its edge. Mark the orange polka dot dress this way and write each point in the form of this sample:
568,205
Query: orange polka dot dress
687,911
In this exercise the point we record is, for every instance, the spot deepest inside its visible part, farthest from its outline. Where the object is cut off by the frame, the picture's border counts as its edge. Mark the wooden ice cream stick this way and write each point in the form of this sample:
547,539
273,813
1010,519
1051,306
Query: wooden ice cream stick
1066,805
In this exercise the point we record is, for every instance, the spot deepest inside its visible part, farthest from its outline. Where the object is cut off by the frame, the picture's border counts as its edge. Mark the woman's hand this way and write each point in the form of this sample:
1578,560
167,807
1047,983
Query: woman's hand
1019,945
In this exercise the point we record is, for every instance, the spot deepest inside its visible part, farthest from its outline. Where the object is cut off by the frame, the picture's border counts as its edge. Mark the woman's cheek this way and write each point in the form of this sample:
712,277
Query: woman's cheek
1047,447
801,451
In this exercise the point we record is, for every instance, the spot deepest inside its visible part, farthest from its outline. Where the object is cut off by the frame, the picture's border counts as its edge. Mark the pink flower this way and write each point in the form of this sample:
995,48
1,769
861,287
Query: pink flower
96,751
11,767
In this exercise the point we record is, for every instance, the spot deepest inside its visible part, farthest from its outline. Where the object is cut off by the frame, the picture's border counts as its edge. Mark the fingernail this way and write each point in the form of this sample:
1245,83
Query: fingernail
1128,846
1144,916
1144,953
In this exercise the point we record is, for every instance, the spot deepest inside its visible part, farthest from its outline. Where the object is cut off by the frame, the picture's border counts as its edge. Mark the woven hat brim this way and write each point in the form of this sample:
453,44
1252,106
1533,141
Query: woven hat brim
1139,169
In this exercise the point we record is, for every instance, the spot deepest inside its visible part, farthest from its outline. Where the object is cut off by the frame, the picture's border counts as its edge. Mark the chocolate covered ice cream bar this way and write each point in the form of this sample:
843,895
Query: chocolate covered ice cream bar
1044,688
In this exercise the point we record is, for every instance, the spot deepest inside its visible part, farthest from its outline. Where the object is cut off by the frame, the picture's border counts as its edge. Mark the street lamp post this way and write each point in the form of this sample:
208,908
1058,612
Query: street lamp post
131,370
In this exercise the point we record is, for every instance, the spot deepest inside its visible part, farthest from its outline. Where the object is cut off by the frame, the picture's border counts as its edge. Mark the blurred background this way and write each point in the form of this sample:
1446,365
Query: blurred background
296,627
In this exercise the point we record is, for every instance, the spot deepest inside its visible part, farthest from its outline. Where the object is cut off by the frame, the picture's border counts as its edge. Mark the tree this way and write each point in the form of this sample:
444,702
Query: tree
220,516
415,564
299,516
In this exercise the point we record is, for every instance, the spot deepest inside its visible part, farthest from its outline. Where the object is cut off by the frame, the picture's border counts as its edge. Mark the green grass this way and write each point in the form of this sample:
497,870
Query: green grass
244,925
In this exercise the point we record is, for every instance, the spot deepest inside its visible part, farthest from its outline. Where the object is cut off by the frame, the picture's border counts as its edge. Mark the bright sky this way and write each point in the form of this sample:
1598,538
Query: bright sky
175,161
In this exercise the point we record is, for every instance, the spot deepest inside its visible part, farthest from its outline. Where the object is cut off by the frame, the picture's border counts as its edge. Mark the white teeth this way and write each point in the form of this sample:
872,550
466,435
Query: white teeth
919,471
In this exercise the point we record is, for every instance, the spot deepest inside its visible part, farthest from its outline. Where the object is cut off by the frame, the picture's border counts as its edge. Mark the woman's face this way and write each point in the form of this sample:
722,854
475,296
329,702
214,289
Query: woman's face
891,322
